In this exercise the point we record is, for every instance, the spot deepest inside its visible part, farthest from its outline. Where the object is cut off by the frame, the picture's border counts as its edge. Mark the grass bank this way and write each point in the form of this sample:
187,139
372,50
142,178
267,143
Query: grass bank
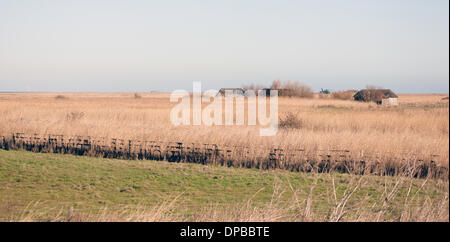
53,187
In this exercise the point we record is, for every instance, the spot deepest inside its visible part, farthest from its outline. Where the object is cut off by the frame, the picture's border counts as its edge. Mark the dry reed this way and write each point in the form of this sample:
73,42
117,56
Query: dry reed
418,131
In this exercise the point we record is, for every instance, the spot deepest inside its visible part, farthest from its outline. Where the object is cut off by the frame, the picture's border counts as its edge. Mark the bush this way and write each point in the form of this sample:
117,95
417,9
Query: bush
343,95
60,97
292,89
291,121
252,87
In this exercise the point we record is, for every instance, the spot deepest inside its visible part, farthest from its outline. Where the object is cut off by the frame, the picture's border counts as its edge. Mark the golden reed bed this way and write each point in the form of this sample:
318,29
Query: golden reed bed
416,130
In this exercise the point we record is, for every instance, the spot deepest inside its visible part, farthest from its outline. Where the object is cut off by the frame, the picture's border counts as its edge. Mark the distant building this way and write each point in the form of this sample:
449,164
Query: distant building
234,91
241,91
379,96
281,91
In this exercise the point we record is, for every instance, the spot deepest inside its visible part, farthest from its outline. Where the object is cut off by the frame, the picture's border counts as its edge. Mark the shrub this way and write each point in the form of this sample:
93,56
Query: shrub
60,97
292,89
291,121
343,95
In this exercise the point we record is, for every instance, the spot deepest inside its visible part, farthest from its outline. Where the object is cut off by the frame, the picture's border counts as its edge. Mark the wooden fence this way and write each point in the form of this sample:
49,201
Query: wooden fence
299,160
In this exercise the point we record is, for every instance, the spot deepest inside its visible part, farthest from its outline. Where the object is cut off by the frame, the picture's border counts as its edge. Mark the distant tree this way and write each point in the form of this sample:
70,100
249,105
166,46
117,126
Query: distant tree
292,89
253,87
373,87
276,84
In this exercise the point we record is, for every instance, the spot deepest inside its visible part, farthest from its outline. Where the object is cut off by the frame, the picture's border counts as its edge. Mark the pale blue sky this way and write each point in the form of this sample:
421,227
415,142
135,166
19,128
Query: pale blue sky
165,45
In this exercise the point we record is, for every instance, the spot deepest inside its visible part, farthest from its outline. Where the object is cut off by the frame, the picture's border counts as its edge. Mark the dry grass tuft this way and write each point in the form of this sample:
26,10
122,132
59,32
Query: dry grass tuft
291,121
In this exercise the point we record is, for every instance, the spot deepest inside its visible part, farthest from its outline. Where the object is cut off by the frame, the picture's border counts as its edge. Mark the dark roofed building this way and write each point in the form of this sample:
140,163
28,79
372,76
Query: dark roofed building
380,96
234,91
241,91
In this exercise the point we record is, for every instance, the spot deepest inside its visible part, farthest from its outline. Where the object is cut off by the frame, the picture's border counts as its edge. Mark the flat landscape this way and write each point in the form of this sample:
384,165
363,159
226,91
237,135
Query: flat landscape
416,130
63,187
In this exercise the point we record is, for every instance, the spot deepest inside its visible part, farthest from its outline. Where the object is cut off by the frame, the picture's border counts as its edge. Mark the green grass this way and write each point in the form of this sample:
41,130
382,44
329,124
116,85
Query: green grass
58,182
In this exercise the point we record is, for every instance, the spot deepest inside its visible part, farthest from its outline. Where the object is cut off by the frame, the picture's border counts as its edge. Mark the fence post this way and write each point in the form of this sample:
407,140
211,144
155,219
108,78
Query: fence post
129,148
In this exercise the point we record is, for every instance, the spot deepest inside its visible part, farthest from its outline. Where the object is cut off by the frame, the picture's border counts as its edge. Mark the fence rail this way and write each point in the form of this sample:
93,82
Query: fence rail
300,160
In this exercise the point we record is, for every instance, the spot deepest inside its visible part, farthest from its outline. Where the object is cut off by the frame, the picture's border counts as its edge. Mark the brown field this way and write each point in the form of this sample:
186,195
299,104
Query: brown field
417,129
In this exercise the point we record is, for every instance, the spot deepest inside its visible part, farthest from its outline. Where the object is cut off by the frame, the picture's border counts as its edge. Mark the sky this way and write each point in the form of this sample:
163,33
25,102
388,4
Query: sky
140,46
